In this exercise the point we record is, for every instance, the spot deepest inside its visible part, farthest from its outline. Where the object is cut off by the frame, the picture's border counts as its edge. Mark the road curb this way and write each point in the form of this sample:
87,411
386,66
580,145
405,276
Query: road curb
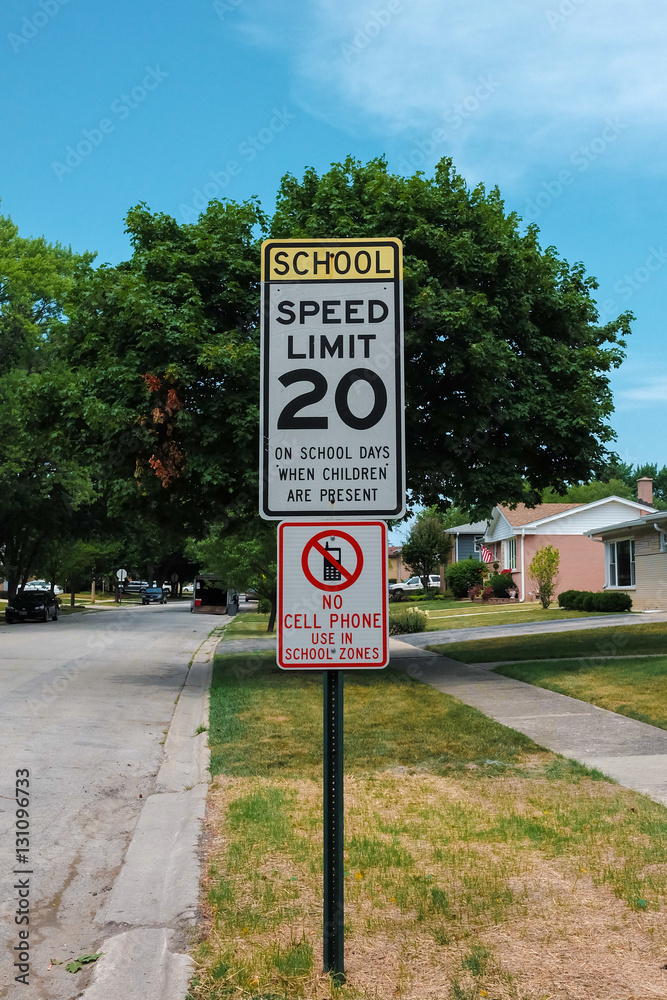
155,897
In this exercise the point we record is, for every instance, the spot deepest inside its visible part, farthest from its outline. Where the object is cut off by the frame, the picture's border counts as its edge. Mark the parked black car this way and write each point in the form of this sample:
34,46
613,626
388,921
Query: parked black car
153,595
32,605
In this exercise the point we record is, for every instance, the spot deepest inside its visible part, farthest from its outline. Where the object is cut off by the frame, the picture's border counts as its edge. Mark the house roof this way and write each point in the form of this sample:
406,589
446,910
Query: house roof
394,550
552,511
522,515
476,528
638,522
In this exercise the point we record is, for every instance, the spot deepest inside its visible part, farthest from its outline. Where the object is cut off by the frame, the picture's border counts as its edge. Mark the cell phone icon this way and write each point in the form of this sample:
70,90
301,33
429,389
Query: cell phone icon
330,572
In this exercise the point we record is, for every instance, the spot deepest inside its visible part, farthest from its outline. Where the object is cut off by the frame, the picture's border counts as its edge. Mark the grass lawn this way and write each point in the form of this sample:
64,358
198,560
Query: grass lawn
248,625
498,614
625,640
636,688
477,864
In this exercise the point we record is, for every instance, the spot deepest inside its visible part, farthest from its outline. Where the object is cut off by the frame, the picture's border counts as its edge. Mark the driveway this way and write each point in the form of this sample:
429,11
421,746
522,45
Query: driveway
85,703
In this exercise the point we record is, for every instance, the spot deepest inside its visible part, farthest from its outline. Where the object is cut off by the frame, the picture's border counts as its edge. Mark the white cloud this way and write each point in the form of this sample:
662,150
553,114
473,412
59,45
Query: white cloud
653,391
556,85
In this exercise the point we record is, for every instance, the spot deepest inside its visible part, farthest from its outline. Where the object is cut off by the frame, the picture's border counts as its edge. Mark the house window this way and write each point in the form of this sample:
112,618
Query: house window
477,543
663,541
510,553
621,563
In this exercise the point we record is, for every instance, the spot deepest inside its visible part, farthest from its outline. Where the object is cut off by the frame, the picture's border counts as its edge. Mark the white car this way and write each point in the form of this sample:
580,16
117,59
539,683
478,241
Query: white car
397,591
43,585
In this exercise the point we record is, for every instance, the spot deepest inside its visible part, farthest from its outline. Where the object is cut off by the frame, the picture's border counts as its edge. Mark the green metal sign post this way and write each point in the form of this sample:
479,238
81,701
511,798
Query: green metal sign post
334,862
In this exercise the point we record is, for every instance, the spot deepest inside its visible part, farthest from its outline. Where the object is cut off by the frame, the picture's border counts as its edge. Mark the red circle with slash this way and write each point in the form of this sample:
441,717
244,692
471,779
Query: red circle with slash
349,578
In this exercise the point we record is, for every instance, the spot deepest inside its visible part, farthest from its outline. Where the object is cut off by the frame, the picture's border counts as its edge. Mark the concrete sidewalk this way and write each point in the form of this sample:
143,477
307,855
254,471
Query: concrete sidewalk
631,752
421,639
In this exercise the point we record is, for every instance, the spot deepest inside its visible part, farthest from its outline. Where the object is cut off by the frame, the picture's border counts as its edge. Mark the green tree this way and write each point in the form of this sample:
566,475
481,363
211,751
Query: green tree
167,347
244,555
507,368
543,571
45,477
589,492
427,544
619,479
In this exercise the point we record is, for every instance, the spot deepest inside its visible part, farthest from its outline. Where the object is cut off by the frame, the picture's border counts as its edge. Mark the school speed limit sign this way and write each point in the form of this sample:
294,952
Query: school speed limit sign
332,427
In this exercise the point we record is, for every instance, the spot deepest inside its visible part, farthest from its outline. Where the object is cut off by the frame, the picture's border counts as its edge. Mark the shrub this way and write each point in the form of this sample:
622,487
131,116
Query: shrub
487,593
565,598
608,600
392,579
447,596
586,600
410,620
475,591
543,570
461,576
500,583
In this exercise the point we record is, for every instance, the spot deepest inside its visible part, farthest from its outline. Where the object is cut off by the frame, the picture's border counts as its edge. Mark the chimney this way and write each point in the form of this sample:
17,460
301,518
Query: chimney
645,490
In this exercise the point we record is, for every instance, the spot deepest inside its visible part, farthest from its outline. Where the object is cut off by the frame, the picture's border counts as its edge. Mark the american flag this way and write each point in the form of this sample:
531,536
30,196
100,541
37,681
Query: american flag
487,554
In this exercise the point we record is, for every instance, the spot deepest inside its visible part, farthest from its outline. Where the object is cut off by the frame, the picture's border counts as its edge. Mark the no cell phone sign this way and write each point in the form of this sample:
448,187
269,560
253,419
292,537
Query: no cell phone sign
332,595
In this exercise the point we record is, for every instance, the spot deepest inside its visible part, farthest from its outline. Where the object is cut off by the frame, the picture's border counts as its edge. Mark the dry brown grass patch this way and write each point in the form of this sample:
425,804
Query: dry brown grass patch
537,876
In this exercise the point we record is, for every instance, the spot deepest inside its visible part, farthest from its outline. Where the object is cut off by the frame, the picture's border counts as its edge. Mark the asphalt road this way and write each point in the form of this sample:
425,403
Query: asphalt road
84,705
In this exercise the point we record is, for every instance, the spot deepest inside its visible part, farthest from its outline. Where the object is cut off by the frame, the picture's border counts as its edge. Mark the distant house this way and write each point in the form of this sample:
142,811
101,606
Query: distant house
467,541
397,571
514,536
635,559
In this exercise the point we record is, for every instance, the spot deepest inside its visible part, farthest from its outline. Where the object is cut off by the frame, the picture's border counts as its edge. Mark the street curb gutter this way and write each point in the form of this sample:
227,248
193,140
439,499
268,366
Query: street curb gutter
154,899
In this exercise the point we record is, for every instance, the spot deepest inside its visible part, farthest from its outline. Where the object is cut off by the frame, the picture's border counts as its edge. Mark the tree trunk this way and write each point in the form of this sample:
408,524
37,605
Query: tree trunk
272,616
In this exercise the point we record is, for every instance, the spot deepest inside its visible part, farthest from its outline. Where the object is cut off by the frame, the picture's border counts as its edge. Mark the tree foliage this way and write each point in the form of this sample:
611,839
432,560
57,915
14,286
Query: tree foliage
167,349
244,555
620,480
131,392
427,544
45,475
507,369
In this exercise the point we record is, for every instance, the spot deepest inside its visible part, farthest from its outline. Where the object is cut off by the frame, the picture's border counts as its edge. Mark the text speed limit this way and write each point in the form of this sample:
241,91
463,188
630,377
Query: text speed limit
332,404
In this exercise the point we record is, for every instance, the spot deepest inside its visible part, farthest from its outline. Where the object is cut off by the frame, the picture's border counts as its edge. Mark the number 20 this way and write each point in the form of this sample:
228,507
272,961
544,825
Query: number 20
288,419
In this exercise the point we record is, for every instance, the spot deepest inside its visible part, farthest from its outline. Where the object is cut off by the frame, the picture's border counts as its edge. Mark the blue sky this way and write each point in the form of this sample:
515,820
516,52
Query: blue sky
559,102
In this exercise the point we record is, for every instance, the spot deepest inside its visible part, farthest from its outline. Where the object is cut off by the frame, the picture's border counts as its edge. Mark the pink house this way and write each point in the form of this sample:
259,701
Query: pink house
514,536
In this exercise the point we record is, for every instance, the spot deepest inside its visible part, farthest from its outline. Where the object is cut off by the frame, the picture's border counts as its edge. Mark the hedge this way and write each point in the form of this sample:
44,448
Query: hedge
587,600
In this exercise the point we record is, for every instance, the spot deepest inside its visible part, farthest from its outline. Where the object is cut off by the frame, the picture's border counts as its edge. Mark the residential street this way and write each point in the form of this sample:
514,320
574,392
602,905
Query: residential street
84,706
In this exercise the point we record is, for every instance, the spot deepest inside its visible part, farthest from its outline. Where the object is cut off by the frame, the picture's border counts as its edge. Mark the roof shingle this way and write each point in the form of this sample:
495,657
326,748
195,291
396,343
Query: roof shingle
526,515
